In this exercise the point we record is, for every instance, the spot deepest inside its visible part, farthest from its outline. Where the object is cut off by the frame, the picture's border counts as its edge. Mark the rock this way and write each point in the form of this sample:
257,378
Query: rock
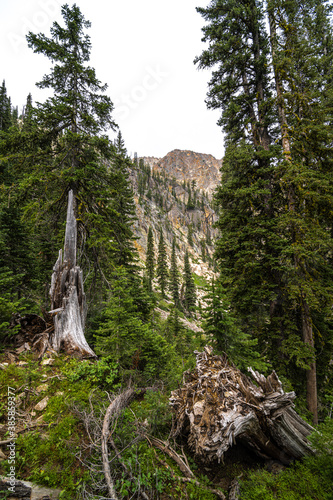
42,388
189,166
25,490
47,362
21,490
42,404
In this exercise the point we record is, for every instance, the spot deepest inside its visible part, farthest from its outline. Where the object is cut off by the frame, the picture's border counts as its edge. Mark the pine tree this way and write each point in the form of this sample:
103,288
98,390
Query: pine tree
189,286
67,149
190,235
174,276
162,265
221,323
120,145
5,108
274,230
150,259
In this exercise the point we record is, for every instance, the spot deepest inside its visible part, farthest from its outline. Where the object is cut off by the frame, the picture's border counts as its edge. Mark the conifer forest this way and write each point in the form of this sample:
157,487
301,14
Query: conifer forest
161,339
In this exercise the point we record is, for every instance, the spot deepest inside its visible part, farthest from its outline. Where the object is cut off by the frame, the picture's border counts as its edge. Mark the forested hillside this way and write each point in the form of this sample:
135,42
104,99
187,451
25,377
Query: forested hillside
135,293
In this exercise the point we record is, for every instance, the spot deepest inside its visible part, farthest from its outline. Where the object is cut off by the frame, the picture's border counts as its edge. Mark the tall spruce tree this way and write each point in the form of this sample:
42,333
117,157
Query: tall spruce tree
162,265
150,259
275,235
67,149
5,108
189,286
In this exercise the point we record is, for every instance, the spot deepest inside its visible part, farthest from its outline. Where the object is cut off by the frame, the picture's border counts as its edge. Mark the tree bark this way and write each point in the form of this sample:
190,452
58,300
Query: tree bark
311,376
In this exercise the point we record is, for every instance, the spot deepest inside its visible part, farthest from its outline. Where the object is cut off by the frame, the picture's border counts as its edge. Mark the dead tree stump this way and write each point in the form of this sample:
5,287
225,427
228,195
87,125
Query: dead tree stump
68,300
218,406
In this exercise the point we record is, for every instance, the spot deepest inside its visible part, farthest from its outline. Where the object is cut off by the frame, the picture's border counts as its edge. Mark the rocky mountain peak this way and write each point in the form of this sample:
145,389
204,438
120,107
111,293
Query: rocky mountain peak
185,165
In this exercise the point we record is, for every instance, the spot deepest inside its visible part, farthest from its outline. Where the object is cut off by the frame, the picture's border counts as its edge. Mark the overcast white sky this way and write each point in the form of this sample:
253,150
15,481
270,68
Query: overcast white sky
143,50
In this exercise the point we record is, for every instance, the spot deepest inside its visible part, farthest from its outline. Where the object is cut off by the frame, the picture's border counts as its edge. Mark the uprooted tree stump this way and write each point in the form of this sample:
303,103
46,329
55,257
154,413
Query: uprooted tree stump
218,406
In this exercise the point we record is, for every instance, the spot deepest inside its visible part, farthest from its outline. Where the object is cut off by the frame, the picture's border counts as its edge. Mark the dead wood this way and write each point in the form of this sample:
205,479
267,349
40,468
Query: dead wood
68,300
166,448
113,410
234,490
218,405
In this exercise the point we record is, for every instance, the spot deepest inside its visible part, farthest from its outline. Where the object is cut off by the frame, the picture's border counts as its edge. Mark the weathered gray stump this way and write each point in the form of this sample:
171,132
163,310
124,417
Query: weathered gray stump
219,406
68,300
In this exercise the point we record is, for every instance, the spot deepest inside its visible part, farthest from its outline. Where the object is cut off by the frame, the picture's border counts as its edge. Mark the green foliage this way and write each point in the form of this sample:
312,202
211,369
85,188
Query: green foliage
126,334
189,286
162,265
103,372
272,80
8,305
190,235
308,479
223,325
174,276
150,259
45,459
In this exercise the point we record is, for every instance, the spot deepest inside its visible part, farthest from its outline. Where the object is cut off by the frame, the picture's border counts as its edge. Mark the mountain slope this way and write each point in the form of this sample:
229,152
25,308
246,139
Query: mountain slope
174,194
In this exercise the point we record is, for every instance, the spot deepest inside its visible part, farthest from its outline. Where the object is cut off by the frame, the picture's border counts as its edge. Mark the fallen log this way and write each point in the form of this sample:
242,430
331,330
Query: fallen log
113,410
218,406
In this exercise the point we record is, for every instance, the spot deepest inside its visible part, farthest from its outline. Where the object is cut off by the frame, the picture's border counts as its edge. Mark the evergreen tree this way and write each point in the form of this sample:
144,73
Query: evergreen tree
273,250
150,259
67,149
190,235
162,265
174,276
221,323
120,145
28,113
5,108
189,286
190,202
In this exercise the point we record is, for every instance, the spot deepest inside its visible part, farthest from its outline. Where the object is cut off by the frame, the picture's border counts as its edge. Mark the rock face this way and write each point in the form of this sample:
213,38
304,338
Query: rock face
189,166
174,194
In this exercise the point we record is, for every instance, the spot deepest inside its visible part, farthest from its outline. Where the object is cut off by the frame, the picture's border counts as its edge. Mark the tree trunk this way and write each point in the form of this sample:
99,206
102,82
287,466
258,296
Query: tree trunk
218,406
279,89
68,300
307,333
311,376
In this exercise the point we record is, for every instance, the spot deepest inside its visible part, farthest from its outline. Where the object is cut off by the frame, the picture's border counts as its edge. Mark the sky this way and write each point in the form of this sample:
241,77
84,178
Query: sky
143,50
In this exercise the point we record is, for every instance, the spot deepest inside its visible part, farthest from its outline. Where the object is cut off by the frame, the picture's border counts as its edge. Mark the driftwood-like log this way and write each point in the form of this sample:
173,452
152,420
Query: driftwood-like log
113,410
68,300
219,406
